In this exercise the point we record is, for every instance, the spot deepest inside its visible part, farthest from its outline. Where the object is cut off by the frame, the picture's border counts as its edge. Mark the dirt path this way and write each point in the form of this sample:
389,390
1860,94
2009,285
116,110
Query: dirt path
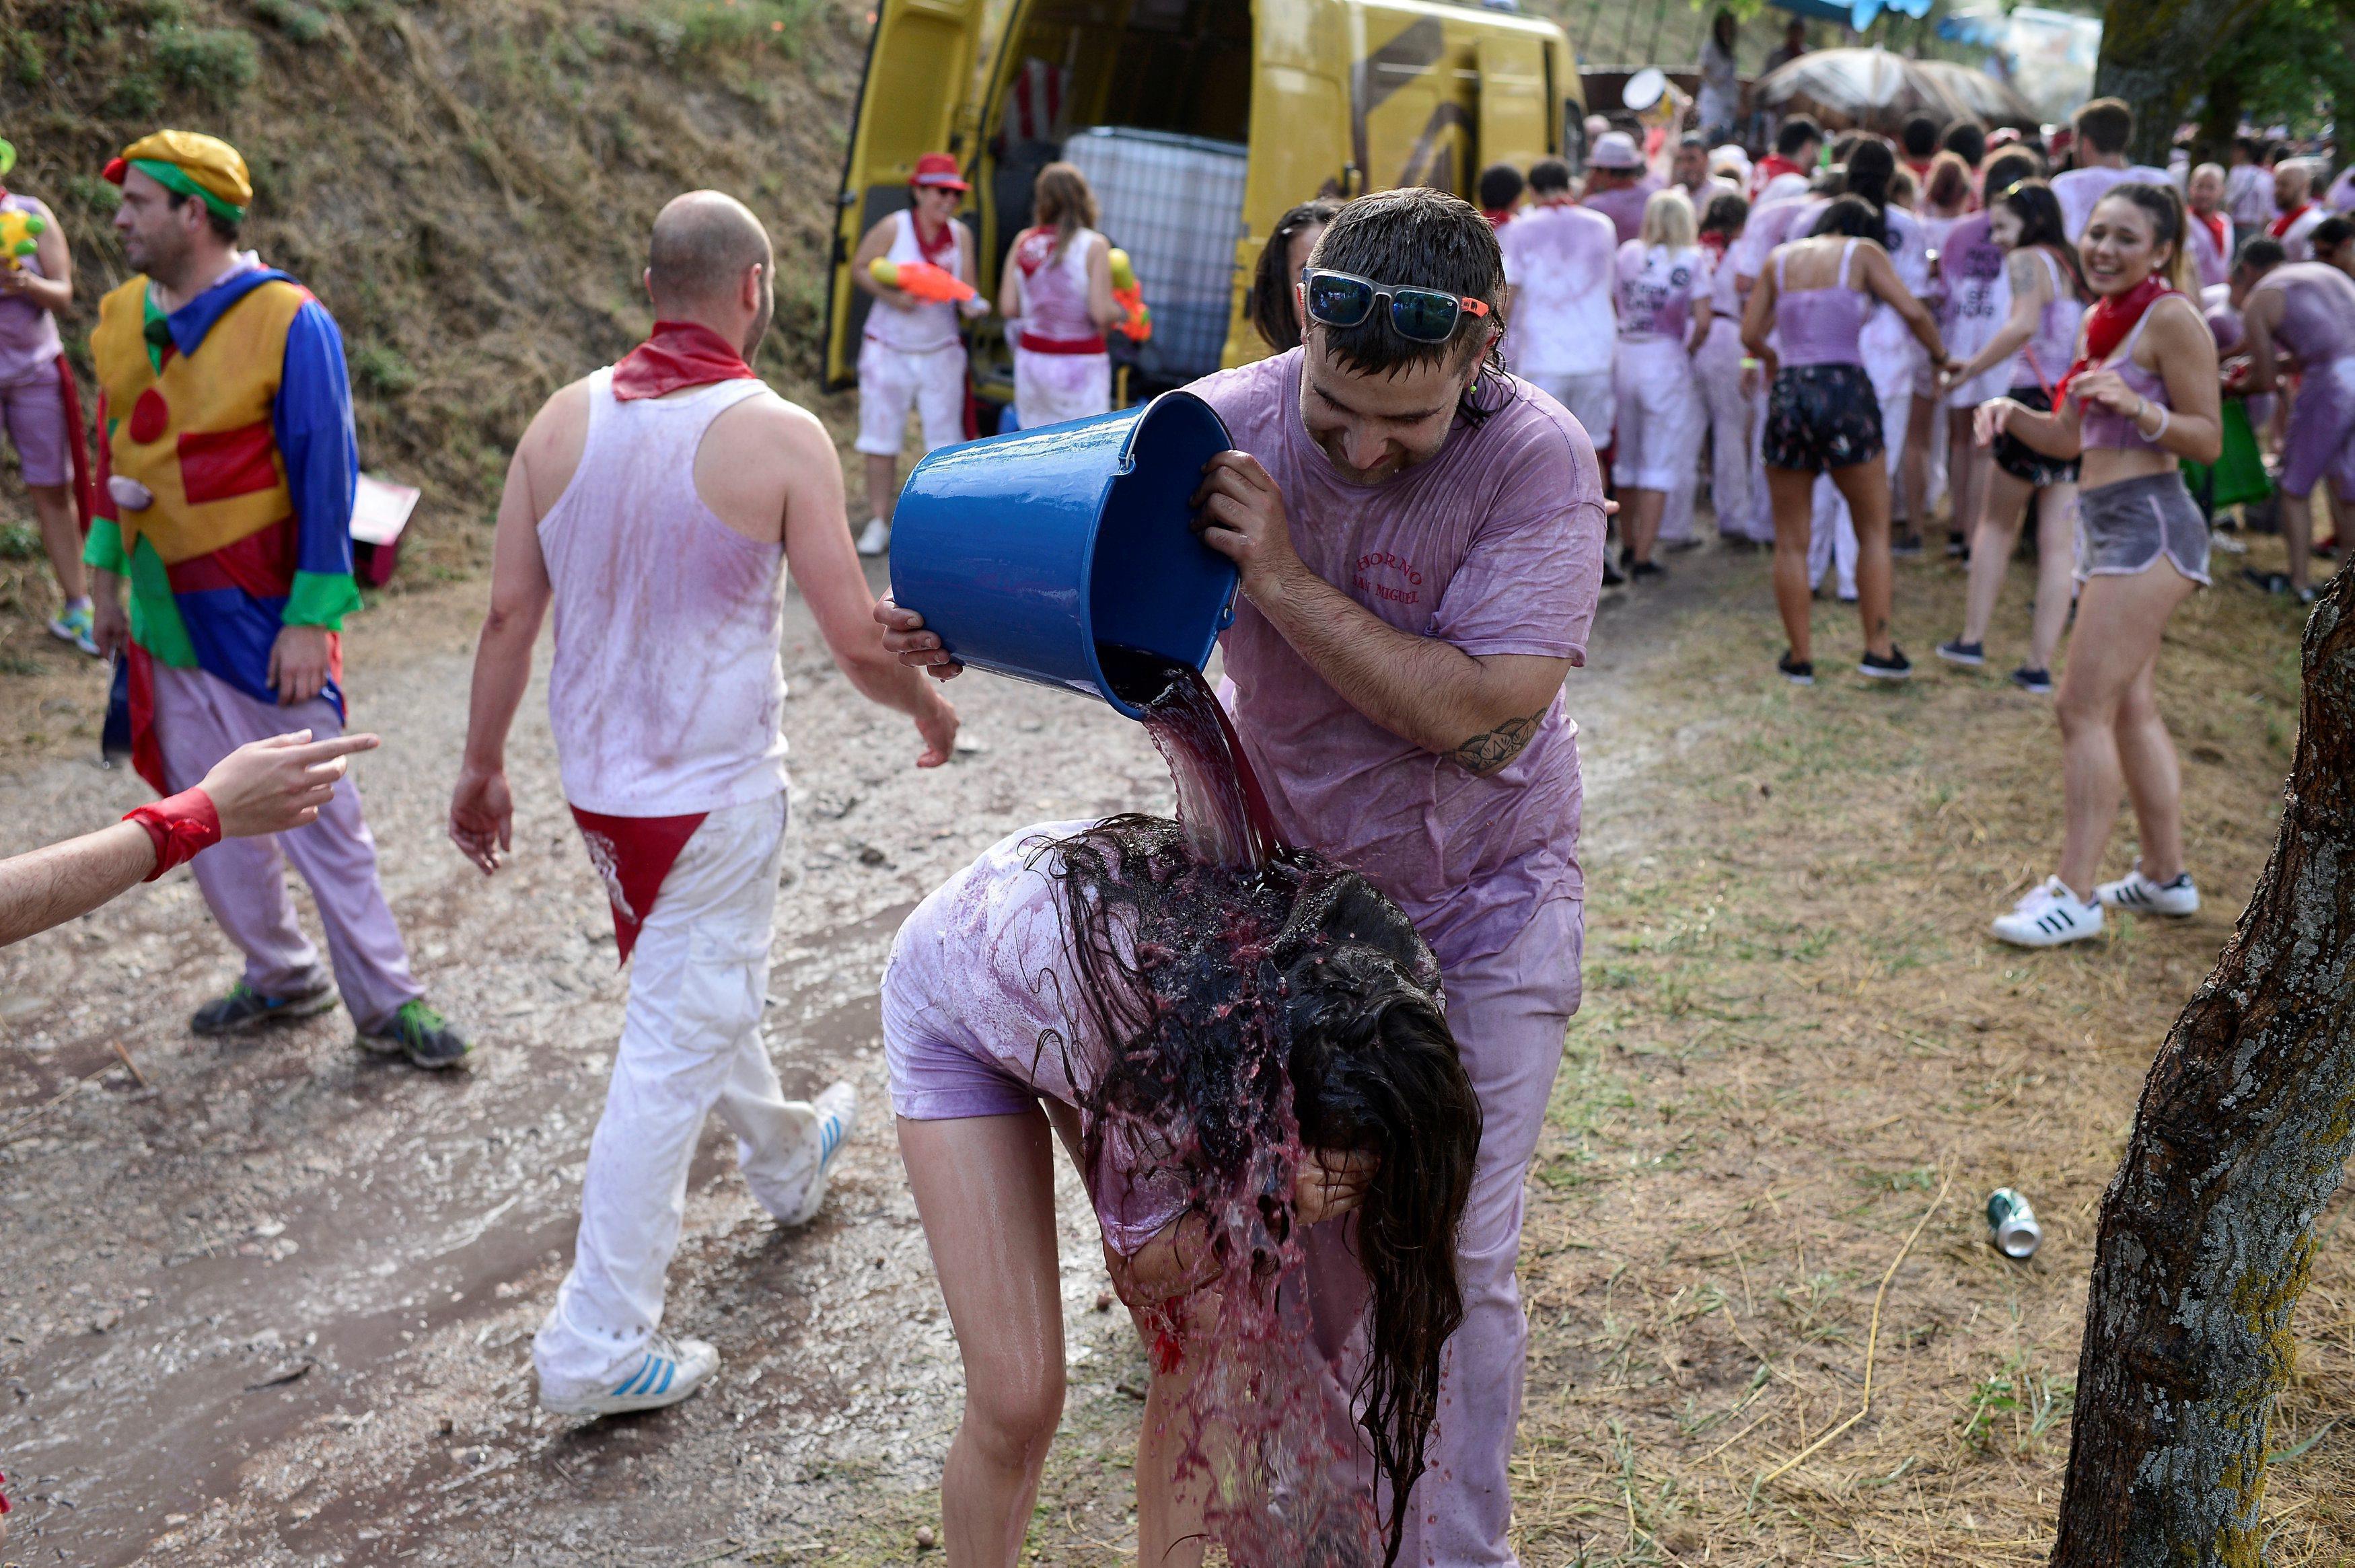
272,1304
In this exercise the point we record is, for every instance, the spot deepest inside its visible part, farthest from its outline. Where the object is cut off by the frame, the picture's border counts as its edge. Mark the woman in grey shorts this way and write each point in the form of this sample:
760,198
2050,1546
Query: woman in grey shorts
2142,394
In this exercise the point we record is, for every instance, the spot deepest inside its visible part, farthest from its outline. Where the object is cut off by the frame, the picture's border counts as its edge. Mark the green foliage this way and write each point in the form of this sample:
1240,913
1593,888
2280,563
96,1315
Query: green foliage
297,21
93,195
383,371
136,95
19,542
218,63
2293,62
27,61
704,29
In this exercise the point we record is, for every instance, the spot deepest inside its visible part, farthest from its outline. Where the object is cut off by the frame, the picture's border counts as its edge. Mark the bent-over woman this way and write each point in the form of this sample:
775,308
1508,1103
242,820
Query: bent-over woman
2141,395
1253,1073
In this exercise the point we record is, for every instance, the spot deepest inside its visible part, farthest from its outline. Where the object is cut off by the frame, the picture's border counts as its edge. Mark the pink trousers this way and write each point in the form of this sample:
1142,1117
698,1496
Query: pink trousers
1509,1012
199,720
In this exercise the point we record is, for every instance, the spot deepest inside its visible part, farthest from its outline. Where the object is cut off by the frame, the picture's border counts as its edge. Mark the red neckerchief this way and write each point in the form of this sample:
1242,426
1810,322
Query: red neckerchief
1713,242
2280,226
1498,216
2215,222
1770,166
631,856
2106,326
677,353
933,253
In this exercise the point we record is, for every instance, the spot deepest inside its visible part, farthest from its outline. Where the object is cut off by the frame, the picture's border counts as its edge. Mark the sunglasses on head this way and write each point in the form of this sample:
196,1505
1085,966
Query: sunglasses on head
1345,300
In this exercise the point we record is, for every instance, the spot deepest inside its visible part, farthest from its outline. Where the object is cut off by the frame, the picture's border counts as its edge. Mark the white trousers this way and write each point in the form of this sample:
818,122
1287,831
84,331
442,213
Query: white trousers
1736,424
1590,399
891,382
690,1044
1661,416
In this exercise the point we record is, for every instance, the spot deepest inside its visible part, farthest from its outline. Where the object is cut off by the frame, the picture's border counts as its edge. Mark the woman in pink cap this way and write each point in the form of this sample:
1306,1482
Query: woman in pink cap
912,357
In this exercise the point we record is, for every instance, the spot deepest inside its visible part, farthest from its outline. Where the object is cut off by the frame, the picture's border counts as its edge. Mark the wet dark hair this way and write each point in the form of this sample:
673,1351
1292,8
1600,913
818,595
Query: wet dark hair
1726,215
2041,222
1501,186
1871,163
1272,310
1549,175
1950,181
1428,238
2262,252
2168,220
1965,141
1854,216
1921,135
1795,134
2011,165
1253,1015
2107,125
2331,233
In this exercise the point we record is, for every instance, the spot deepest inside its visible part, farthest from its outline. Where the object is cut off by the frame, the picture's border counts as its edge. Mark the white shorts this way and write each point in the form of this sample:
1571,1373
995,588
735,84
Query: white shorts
1589,399
1054,388
1661,416
892,381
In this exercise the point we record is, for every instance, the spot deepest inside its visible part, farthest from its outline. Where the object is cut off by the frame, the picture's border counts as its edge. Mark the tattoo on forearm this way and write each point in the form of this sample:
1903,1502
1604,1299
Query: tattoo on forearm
1486,753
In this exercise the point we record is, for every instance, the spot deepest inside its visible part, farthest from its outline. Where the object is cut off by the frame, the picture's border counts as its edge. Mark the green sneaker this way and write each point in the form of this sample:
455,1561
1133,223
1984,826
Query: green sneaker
77,626
423,1035
245,1007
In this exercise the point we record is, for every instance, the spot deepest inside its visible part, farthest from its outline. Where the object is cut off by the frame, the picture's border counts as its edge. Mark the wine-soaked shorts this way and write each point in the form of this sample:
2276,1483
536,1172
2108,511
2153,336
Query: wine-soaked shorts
2024,462
2123,527
1822,417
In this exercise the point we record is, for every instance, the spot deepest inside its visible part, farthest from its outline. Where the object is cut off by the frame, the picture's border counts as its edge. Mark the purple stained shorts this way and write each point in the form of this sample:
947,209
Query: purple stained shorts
2321,440
33,409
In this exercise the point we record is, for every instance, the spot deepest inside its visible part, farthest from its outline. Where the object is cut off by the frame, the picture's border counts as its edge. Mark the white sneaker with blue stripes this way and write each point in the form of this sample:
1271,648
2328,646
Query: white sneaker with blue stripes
2050,915
2139,893
837,1116
670,1370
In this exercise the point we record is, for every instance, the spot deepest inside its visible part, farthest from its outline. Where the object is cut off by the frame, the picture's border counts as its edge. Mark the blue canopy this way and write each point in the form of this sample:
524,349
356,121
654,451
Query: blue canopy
1857,14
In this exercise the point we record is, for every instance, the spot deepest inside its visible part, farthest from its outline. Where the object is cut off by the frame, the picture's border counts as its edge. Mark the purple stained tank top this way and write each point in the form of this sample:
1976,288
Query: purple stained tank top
2318,322
1819,327
2047,355
2099,426
29,334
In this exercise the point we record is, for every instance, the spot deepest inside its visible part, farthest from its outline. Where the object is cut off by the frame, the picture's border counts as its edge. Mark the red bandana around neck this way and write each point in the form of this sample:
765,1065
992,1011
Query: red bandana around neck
677,353
934,249
2215,222
2280,226
2106,326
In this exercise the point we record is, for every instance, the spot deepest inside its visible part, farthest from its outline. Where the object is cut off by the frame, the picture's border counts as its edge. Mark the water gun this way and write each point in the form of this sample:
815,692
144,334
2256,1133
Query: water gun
18,235
1129,294
920,281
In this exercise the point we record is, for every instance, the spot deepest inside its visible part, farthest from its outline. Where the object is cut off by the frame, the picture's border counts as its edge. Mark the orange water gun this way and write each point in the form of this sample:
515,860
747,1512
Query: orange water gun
920,281
1129,294
19,233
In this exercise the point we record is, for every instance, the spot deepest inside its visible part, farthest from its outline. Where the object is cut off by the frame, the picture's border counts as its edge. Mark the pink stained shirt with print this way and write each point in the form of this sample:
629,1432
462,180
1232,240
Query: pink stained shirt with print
1494,545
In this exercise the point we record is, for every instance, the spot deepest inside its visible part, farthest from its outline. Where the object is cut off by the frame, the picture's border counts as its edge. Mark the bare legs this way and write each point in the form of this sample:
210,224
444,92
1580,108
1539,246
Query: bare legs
61,537
1640,516
882,485
985,1187
1914,467
1967,467
1865,487
1998,530
1791,494
2297,537
2111,737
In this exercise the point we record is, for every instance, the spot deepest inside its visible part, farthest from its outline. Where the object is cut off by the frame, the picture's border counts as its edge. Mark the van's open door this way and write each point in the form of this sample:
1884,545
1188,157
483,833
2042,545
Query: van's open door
919,75
1516,99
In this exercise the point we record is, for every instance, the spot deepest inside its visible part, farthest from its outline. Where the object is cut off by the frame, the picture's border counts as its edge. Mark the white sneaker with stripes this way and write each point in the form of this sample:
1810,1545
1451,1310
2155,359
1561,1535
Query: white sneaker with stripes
837,1116
670,1370
2138,893
2048,917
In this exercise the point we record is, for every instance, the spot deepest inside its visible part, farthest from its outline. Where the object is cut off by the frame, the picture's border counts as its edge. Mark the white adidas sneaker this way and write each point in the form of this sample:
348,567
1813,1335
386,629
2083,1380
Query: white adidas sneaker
2050,915
2138,893
670,1370
876,538
837,1116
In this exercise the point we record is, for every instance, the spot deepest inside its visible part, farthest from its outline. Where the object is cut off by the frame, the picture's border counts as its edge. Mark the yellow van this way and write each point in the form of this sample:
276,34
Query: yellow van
1198,122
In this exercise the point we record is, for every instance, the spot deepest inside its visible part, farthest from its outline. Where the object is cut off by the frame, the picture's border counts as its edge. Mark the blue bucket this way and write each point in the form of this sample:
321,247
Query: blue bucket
1031,553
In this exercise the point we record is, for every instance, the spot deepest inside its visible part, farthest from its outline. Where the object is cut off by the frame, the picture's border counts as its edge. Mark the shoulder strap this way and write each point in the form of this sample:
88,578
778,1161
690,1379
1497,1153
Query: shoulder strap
1845,251
1779,286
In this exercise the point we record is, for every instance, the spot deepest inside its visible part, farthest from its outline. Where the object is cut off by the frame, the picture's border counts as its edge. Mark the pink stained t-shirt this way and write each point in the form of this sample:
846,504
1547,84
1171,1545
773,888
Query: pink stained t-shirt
979,1019
1623,206
1494,545
1557,317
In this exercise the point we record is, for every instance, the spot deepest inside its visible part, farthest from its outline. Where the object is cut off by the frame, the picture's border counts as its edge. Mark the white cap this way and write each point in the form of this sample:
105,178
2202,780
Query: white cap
1616,150
1730,156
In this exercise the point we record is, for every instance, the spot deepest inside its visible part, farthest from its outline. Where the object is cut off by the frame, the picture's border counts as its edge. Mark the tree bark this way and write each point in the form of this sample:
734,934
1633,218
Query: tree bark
2219,121
2206,1230
2154,55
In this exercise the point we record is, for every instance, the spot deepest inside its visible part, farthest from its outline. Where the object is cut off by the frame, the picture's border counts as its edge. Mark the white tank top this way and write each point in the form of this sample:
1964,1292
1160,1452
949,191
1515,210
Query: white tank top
927,327
1055,288
666,691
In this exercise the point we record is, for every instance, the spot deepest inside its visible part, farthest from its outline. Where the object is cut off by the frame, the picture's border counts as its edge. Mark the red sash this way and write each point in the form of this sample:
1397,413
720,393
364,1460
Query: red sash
1037,344
633,855
677,354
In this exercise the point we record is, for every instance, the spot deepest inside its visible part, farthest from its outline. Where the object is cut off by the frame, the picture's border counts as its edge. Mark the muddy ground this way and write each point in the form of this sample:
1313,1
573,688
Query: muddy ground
270,1303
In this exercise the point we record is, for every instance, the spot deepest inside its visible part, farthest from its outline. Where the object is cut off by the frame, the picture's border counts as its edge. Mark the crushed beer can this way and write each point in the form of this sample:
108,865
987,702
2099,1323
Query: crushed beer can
2012,1224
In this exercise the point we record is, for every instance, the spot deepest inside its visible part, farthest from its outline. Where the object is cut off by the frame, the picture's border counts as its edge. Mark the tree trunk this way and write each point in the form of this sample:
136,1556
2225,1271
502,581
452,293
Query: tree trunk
2246,1122
2219,121
2154,55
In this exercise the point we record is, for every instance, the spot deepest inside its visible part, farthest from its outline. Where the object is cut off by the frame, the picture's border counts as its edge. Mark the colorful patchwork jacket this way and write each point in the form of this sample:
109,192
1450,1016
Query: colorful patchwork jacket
233,416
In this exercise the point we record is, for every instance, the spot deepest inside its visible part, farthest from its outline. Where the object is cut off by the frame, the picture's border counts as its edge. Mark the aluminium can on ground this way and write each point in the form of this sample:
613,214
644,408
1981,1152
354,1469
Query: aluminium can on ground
2012,1224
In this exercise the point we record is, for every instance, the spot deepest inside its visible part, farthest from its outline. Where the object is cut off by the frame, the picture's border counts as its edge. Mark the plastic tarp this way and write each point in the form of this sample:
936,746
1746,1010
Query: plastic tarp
1871,89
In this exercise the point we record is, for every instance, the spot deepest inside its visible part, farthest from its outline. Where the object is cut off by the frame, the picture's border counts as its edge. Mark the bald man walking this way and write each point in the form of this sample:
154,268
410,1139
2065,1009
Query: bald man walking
657,504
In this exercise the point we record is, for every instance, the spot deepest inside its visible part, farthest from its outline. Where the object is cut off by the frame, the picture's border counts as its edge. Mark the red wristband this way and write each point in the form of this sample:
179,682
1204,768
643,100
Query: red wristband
180,826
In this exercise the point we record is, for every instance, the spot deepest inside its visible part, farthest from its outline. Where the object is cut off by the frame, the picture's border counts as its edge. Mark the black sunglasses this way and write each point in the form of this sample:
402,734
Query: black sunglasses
1345,300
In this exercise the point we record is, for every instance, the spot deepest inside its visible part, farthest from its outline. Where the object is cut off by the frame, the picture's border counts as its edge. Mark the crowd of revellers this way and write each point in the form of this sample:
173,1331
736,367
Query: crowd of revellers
1460,404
